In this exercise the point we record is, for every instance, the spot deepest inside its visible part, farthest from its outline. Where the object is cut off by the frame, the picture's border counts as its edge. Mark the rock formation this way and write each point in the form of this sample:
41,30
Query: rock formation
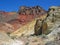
40,27
37,10
44,24
24,17
52,19
28,27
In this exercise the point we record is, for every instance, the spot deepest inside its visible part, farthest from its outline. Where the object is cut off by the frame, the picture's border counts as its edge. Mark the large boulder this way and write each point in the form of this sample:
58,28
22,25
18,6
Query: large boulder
37,27
40,27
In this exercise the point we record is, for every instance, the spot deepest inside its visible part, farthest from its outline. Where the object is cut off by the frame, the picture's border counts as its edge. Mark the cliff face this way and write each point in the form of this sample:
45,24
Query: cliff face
52,20
28,21
22,17
23,26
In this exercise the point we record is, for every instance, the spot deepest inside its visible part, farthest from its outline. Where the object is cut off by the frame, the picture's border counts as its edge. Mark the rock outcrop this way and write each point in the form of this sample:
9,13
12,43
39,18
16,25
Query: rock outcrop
23,19
20,19
37,10
55,29
40,27
32,23
52,20
29,28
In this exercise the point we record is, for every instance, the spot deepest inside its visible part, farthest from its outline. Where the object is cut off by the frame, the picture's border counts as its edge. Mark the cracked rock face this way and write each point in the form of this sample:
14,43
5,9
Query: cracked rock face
53,17
54,36
36,10
53,22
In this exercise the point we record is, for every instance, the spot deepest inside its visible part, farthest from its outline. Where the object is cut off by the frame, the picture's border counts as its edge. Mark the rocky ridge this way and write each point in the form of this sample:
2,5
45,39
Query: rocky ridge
52,38
17,20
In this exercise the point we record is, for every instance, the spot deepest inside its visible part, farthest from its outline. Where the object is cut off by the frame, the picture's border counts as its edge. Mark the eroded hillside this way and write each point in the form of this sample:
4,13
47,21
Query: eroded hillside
20,29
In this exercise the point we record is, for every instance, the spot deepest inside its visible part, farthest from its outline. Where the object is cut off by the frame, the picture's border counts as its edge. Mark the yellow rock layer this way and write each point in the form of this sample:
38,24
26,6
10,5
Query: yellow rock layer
27,29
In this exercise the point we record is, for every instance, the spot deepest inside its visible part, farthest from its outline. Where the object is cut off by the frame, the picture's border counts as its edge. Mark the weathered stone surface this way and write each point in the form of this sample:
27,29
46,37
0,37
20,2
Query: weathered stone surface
53,15
8,28
37,28
40,27
53,43
4,38
51,21
37,10
54,36
22,35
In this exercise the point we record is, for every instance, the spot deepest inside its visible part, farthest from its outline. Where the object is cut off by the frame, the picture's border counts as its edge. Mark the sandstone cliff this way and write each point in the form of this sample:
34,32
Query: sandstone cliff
24,25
